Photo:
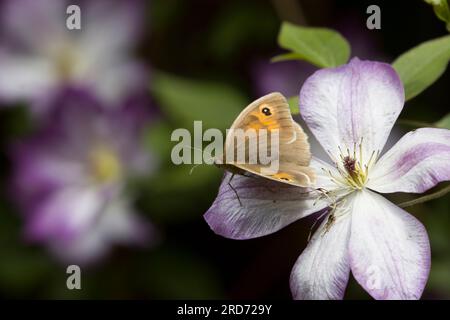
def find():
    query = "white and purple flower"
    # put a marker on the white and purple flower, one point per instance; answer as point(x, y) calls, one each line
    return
point(39, 54)
point(70, 178)
point(350, 110)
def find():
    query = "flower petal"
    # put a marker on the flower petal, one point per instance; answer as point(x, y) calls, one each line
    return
point(360, 100)
point(111, 26)
point(418, 162)
point(322, 270)
point(267, 206)
point(64, 215)
point(122, 224)
point(24, 76)
point(117, 224)
point(114, 80)
point(389, 249)
point(33, 24)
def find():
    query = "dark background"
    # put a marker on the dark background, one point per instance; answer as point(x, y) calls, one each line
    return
point(226, 43)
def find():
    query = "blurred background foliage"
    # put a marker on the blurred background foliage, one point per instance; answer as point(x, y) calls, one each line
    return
point(203, 56)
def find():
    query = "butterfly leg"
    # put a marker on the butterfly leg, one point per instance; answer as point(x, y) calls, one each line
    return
point(234, 190)
point(324, 194)
point(331, 219)
point(337, 210)
point(314, 224)
point(331, 211)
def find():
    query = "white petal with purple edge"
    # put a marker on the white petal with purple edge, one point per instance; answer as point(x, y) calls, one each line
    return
point(267, 206)
point(418, 162)
point(360, 100)
point(322, 270)
point(389, 249)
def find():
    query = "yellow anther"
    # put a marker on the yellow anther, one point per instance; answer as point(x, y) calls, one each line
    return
point(105, 164)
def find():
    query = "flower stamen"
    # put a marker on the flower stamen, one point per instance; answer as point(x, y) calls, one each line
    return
point(352, 168)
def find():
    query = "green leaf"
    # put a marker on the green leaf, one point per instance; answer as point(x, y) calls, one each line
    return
point(442, 11)
point(293, 105)
point(156, 138)
point(320, 46)
point(421, 66)
point(185, 101)
point(444, 122)
point(287, 57)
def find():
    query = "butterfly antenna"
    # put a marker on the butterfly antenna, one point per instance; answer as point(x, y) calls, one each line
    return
point(195, 166)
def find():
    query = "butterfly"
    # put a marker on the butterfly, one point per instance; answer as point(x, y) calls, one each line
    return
point(271, 113)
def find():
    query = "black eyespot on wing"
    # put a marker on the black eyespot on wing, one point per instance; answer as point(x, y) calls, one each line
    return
point(286, 179)
point(266, 111)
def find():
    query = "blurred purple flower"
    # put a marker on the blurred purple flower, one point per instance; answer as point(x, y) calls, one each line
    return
point(351, 111)
point(70, 178)
point(38, 54)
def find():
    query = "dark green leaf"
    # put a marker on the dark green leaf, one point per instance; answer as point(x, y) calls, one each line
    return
point(444, 122)
point(320, 46)
point(293, 105)
point(287, 57)
point(421, 66)
point(442, 11)
point(185, 101)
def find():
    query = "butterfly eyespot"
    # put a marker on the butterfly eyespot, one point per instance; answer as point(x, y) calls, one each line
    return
point(266, 111)
point(285, 179)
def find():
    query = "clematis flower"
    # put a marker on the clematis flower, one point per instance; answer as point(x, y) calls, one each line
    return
point(350, 110)
point(70, 178)
point(39, 54)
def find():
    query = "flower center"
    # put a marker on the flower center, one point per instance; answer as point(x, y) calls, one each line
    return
point(355, 175)
point(65, 65)
point(353, 170)
point(105, 165)
point(67, 60)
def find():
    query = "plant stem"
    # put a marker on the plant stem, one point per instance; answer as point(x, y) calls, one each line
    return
point(426, 198)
